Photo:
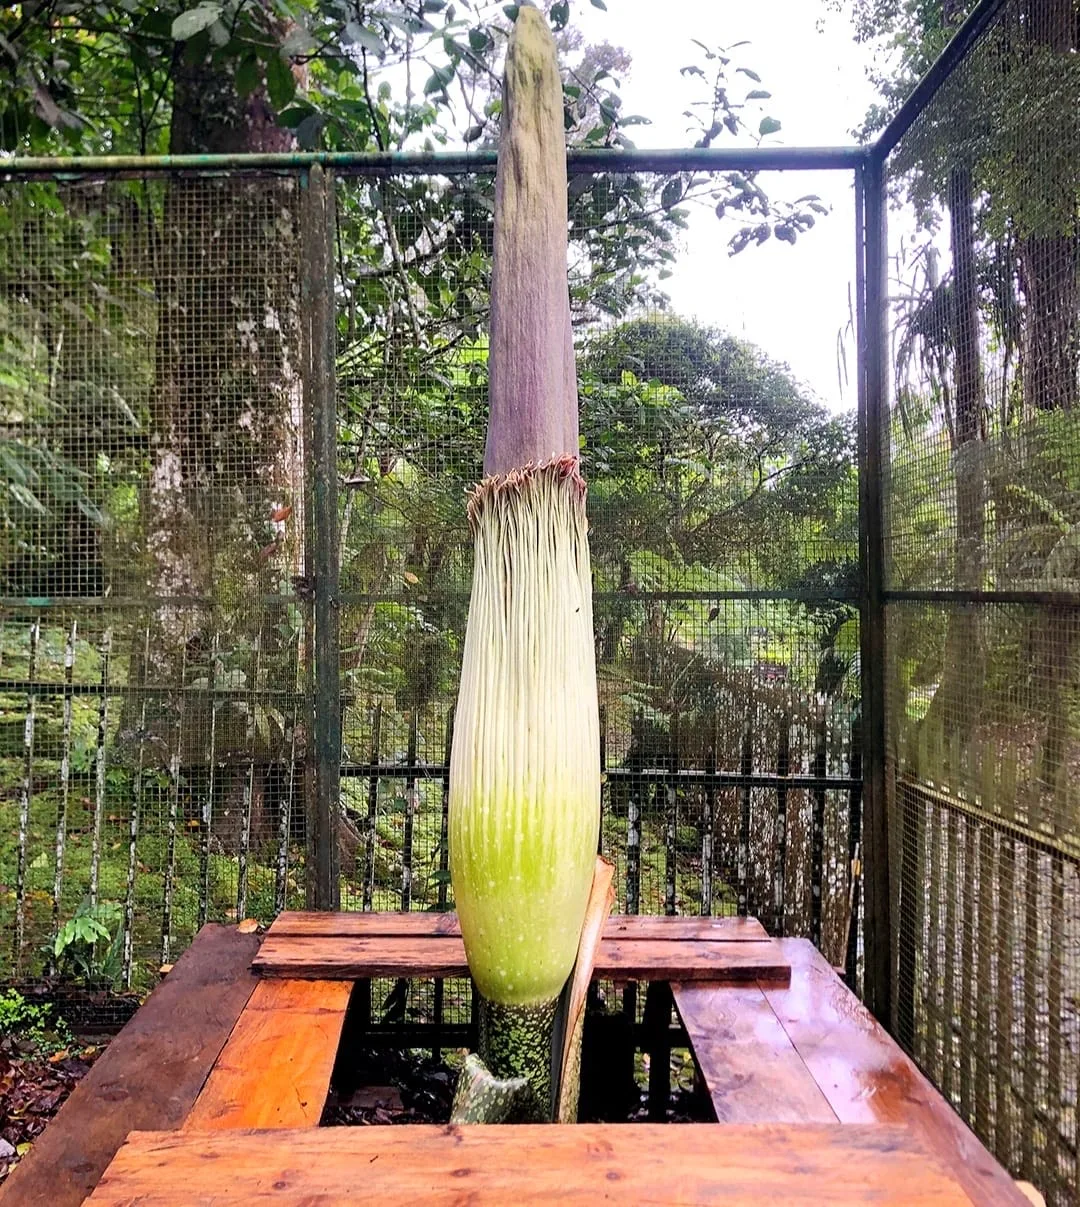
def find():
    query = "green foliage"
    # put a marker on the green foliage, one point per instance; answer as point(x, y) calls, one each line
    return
point(87, 946)
point(709, 468)
point(36, 1028)
point(700, 444)
point(911, 35)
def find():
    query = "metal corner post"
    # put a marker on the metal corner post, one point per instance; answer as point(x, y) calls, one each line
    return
point(324, 742)
point(873, 360)
point(977, 22)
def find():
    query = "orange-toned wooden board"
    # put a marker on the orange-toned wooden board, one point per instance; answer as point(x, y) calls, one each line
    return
point(275, 1069)
point(344, 958)
point(580, 1165)
point(750, 1066)
point(620, 926)
point(149, 1075)
point(867, 1078)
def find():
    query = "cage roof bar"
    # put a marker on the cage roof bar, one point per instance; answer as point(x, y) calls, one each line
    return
point(943, 66)
point(442, 163)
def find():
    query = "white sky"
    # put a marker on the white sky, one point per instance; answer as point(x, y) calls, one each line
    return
point(792, 301)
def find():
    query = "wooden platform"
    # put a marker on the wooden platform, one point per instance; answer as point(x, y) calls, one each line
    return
point(812, 1052)
point(676, 1164)
point(815, 1102)
point(275, 1070)
point(147, 1078)
point(355, 946)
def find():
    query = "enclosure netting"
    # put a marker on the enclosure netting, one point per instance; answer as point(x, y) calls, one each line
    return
point(156, 406)
point(152, 498)
point(722, 508)
point(983, 589)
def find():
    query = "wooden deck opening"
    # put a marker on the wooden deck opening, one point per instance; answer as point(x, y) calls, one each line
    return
point(814, 1101)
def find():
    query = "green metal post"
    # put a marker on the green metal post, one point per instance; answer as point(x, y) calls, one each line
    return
point(317, 233)
point(873, 406)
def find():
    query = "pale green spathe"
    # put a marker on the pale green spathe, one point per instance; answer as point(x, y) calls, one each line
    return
point(525, 765)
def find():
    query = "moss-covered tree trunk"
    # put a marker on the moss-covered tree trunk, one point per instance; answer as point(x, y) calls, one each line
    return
point(222, 508)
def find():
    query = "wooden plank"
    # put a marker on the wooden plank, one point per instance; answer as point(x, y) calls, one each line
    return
point(149, 1075)
point(692, 960)
point(340, 958)
point(275, 1069)
point(866, 1078)
point(362, 925)
point(582, 1165)
point(358, 925)
point(750, 1066)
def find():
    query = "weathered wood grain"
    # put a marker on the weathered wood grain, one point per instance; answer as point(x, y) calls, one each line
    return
point(867, 1078)
point(693, 960)
point(149, 1075)
point(345, 958)
point(750, 1066)
point(358, 925)
point(275, 1069)
point(722, 930)
point(587, 1164)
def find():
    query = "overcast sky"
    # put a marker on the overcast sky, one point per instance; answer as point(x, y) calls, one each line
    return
point(792, 301)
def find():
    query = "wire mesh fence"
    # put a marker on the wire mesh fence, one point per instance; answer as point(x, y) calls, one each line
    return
point(152, 639)
point(160, 744)
point(218, 532)
point(982, 589)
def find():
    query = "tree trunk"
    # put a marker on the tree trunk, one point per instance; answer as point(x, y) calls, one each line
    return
point(1048, 277)
point(224, 501)
point(955, 706)
point(1048, 227)
point(1049, 253)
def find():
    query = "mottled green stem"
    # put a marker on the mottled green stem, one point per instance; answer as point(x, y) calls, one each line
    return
point(516, 1041)
point(481, 1097)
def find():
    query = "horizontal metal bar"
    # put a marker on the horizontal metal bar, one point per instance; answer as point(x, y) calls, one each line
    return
point(650, 775)
point(33, 687)
point(734, 779)
point(39, 603)
point(947, 62)
point(1066, 848)
point(717, 159)
point(347, 598)
point(440, 163)
point(449, 1035)
point(417, 1035)
point(21, 603)
point(1054, 599)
